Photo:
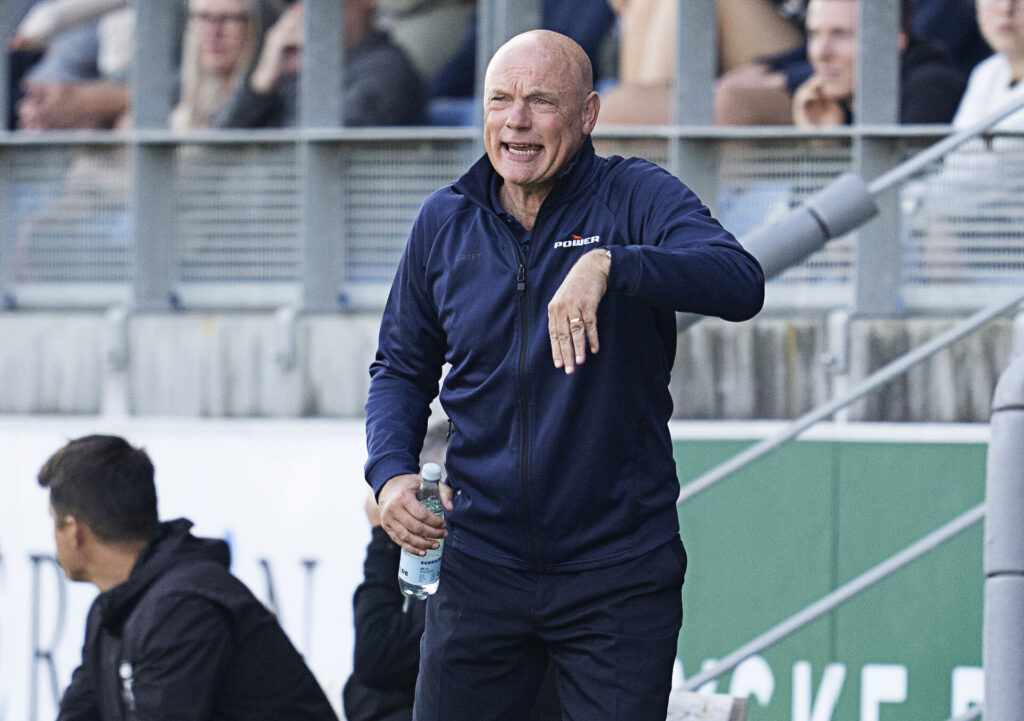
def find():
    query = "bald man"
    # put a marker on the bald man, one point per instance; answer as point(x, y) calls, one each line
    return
point(547, 277)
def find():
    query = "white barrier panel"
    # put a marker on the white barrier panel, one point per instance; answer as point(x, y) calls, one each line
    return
point(288, 495)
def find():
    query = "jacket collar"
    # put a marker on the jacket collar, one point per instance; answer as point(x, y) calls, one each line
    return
point(170, 544)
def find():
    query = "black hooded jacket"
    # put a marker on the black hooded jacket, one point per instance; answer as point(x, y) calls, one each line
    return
point(184, 639)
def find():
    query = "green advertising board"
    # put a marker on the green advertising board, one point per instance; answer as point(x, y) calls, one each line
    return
point(778, 535)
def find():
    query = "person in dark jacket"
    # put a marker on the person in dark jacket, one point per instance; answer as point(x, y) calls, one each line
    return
point(380, 85)
point(172, 634)
point(930, 82)
point(547, 277)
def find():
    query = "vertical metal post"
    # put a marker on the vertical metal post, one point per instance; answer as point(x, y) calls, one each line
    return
point(7, 26)
point(496, 22)
point(693, 160)
point(876, 102)
point(1003, 649)
point(152, 164)
point(321, 100)
point(7, 244)
point(321, 105)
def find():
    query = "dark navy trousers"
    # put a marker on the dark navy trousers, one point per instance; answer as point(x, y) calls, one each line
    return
point(611, 633)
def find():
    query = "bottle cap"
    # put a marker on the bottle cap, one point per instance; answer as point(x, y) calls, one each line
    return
point(431, 472)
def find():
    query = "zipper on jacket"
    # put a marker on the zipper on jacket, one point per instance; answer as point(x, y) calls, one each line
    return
point(524, 459)
point(127, 675)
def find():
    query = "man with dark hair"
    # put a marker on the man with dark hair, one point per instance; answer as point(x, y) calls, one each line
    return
point(172, 634)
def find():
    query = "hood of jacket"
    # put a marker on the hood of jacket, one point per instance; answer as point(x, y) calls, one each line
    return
point(171, 543)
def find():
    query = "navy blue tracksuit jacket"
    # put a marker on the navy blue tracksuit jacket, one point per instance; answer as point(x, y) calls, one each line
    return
point(551, 472)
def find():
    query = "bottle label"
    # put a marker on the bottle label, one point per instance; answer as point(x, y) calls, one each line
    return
point(421, 570)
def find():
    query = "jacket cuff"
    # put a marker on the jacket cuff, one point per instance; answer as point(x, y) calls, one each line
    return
point(624, 272)
point(387, 468)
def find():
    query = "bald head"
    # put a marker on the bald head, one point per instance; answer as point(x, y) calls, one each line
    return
point(557, 51)
point(539, 108)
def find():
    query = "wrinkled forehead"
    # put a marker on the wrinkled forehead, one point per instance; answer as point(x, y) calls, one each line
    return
point(219, 6)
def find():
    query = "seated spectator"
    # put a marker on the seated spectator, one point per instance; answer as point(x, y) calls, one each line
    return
point(747, 29)
point(388, 626)
point(930, 83)
point(220, 45)
point(996, 81)
point(380, 85)
point(48, 18)
point(760, 93)
point(82, 79)
point(957, 215)
point(172, 634)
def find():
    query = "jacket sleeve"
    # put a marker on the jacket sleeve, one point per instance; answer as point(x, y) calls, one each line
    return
point(387, 646)
point(678, 256)
point(404, 376)
point(247, 108)
point(78, 702)
point(181, 660)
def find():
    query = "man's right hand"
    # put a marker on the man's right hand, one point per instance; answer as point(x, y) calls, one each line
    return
point(408, 521)
point(814, 107)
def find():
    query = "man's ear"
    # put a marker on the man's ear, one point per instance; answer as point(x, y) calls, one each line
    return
point(901, 41)
point(591, 107)
point(76, 531)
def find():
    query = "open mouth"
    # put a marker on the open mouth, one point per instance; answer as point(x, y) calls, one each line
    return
point(522, 150)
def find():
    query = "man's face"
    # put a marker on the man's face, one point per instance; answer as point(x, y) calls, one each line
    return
point(1002, 26)
point(68, 555)
point(832, 44)
point(536, 115)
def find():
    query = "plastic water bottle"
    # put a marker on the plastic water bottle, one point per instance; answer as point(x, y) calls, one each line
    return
point(418, 575)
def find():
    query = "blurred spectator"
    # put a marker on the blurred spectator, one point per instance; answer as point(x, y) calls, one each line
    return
point(388, 625)
point(996, 82)
point(930, 83)
point(747, 29)
point(429, 31)
point(82, 79)
point(48, 18)
point(760, 93)
point(172, 634)
point(380, 85)
point(220, 45)
point(12, 12)
point(958, 215)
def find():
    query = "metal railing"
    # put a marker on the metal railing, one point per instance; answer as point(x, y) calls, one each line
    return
point(1007, 563)
point(73, 235)
point(315, 218)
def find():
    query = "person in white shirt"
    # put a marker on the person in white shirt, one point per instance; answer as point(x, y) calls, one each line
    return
point(996, 81)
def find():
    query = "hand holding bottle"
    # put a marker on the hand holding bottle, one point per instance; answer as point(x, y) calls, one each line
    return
point(404, 517)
